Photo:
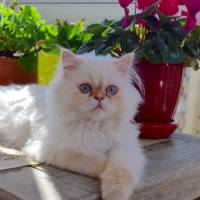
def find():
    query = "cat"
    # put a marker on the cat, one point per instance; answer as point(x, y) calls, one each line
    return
point(81, 121)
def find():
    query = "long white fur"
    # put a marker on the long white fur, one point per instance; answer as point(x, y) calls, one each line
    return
point(47, 125)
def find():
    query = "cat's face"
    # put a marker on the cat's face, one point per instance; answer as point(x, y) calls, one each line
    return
point(95, 87)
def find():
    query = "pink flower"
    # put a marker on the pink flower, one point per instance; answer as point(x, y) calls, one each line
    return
point(193, 7)
point(144, 4)
point(167, 7)
point(124, 4)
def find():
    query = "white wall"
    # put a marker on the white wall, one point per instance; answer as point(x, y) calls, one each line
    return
point(73, 10)
point(91, 10)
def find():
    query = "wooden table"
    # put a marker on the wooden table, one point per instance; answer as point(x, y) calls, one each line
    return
point(172, 173)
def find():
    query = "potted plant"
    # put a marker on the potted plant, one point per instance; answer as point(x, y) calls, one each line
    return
point(23, 33)
point(164, 43)
point(68, 35)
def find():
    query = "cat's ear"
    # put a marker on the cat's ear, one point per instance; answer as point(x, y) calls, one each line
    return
point(125, 62)
point(69, 60)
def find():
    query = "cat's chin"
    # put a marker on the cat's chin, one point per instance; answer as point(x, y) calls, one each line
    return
point(98, 113)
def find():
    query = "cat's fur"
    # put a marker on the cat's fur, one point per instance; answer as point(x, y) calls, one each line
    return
point(58, 125)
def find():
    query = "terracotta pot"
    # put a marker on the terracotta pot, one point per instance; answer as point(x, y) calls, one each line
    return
point(12, 72)
point(162, 84)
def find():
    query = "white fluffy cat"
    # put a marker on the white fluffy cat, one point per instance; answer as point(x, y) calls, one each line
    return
point(81, 122)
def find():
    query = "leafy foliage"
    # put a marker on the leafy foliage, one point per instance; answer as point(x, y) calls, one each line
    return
point(157, 38)
point(109, 37)
point(23, 33)
point(71, 36)
point(191, 48)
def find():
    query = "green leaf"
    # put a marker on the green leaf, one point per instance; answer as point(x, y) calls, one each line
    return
point(151, 35)
point(76, 29)
point(96, 29)
point(151, 52)
point(101, 48)
point(152, 23)
point(193, 49)
point(171, 52)
point(87, 47)
point(29, 63)
point(129, 41)
point(175, 29)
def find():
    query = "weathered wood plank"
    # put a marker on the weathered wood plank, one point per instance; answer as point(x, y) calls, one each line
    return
point(5, 195)
point(10, 158)
point(48, 183)
point(172, 173)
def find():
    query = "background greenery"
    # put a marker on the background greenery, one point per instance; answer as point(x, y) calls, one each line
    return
point(24, 33)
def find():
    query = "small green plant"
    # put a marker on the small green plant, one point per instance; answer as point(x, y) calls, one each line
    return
point(71, 35)
point(23, 33)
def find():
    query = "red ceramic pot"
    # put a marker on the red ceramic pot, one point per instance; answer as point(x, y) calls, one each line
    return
point(162, 84)
point(12, 72)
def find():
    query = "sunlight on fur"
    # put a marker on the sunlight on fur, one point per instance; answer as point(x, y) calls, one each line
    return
point(9, 151)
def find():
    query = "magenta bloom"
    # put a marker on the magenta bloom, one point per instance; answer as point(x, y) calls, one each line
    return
point(145, 4)
point(167, 7)
point(193, 7)
point(124, 4)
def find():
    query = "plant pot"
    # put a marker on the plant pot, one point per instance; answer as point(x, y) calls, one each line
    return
point(162, 84)
point(12, 72)
point(46, 66)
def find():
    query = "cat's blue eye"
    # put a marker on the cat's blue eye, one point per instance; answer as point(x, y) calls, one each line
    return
point(111, 90)
point(85, 88)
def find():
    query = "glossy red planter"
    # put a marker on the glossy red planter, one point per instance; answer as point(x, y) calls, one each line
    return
point(155, 130)
point(162, 84)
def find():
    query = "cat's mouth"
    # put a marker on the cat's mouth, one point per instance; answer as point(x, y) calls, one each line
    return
point(98, 107)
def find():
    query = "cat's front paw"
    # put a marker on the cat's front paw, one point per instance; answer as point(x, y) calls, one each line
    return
point(117, 184)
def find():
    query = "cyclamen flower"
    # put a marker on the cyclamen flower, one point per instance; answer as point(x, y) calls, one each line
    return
point(167, 7)
point(145, 4)
point(124, 4)
point(193, 7)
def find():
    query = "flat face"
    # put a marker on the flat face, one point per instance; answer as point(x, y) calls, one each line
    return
point(96, 87)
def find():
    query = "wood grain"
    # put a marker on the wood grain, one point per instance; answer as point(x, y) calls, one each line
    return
point(172, 173)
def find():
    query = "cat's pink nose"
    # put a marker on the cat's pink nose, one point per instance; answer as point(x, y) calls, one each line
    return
point(99, 98)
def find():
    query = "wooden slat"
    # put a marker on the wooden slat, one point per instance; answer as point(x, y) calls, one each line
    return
point(48, 183)
point(5, 195)
point(172, 173)
point(11, 159)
